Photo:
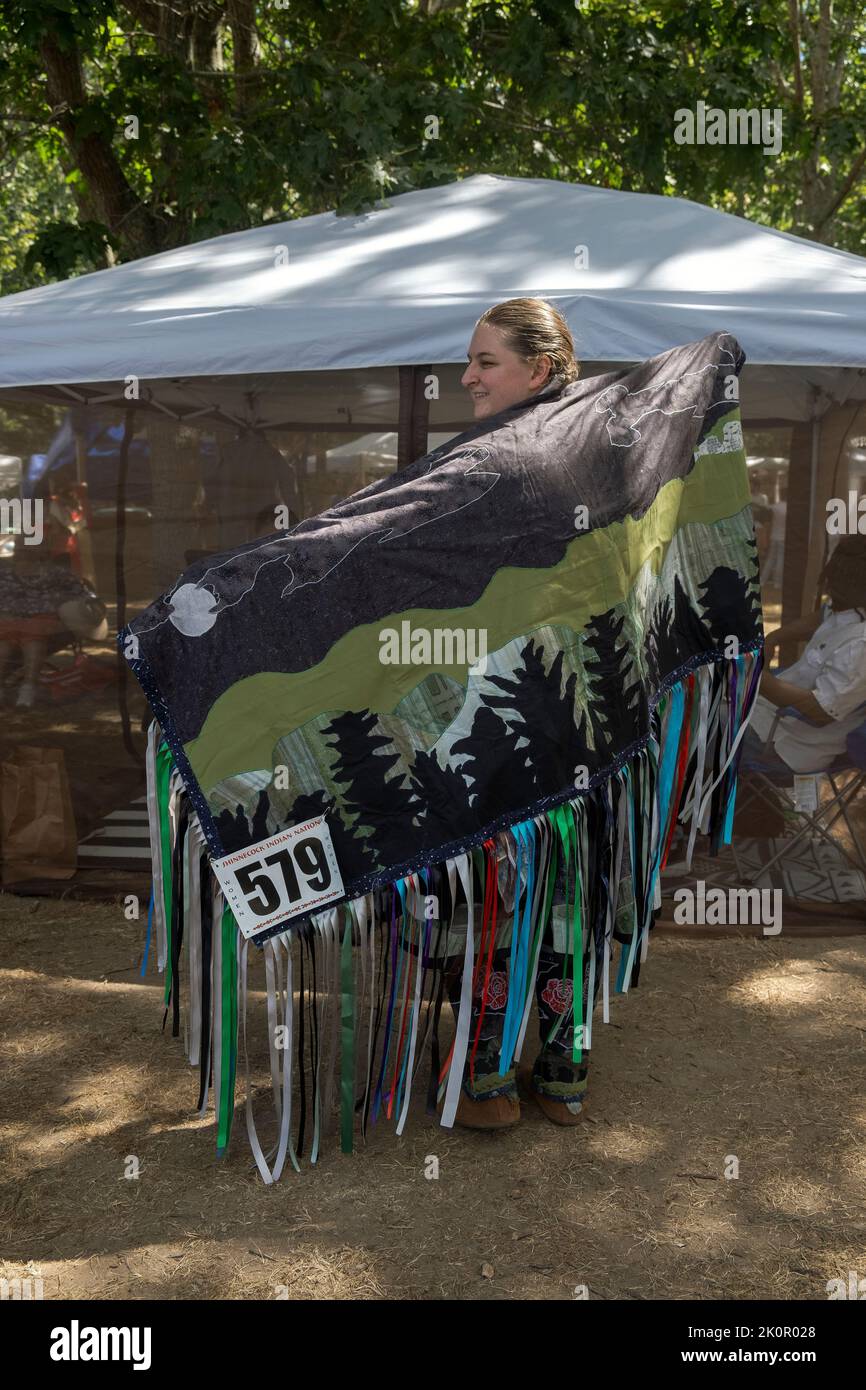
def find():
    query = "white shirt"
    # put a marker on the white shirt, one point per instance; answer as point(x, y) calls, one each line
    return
point(833, 667)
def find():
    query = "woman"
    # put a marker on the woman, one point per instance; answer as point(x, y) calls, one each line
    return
point(828, 683)
point(519, 348)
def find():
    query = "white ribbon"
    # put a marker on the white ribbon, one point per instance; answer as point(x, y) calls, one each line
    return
point(703, 676)
point(734, 746)
point(416, 1009)
point(173, 793)
point(284, 1102)
point(464, 1017)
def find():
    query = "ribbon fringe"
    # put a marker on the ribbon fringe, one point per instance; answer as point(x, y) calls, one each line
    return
point(357, 991)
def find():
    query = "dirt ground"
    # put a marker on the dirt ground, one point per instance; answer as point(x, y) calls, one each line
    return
point(747, 1048)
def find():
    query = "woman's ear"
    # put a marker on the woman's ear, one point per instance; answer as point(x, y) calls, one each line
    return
point(541, 372)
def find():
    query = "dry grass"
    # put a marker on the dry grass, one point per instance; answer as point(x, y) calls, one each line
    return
point(752, 1048)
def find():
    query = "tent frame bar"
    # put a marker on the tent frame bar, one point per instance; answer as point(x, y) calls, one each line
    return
point(220, 415)
point(412, 402)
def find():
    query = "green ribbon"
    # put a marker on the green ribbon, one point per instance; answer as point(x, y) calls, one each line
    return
point(577, 944)
point(163, 777)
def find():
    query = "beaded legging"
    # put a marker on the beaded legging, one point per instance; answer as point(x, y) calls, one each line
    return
point(554, 1071)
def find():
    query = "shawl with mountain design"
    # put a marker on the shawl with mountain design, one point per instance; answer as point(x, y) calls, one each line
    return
point(594, 547)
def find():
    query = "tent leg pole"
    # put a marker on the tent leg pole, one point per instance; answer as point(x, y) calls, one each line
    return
point(120, 580)
point(413, 417)
point(797, 528)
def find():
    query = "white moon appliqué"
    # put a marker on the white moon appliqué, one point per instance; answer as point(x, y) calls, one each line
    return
point(193, 610)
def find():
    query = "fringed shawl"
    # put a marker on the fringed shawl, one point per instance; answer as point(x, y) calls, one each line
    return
point(499, 677)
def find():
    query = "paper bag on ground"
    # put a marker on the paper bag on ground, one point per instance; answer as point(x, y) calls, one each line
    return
point(37, 824)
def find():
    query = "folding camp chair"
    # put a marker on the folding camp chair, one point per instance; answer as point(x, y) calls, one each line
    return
point(765, 779)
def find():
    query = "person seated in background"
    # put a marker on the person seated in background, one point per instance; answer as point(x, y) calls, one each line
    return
point(828, 683)
point(32, 589)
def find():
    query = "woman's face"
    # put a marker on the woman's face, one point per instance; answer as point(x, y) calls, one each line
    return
point(496, 376)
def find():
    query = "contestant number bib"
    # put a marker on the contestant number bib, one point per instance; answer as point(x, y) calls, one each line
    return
point(292, 873)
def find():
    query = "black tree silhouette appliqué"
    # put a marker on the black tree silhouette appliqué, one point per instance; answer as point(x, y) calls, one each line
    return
point(382, 804)
point(618, 711)
point(498, 771)
point(675, 633)
point(543, 714)
point(237, 830)
point(730, 606)
point(444, 796)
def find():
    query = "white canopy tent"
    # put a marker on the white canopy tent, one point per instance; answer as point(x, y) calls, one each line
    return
point(295, 324)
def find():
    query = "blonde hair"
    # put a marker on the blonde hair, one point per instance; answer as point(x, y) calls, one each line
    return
point(532, 328)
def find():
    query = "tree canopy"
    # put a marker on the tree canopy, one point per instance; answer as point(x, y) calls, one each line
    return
point(129, 128)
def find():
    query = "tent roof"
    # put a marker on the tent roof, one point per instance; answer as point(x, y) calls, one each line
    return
point(301, 324)
point(404, 284)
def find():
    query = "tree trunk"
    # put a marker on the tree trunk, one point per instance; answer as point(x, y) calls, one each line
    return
point(822, 193)
point(205, 38)
point(241, 15)
point(109, 194)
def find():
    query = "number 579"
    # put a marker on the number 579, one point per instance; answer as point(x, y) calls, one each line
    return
point(306, 857)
